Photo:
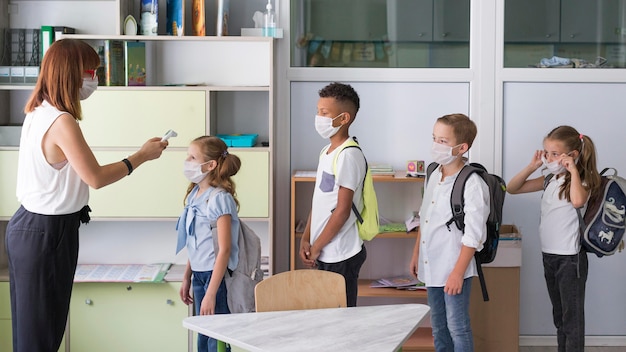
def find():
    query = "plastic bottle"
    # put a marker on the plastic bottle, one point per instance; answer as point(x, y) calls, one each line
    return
point(149, 17)
point(269, 20)
point(197, 18)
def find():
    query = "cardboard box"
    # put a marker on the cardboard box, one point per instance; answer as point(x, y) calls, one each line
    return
point(509, 231)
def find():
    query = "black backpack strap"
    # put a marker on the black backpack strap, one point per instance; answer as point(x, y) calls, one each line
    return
point(546, 180)
point(429, 170)
point(481, 277)
point(456, 198)
point(457, 204)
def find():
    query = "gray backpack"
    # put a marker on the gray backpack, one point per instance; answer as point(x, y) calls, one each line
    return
point(241, 281)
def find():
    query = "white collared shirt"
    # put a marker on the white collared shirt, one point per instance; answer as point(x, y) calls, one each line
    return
point(558, 228)
point(439, 247)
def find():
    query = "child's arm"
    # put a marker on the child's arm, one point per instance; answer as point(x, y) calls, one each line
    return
point(185, 288)
point(305, 245)
point(454, 284)
point(416, 252)
point(335, 222)
point(221, 264)
point(520, 182)
point(578, 194)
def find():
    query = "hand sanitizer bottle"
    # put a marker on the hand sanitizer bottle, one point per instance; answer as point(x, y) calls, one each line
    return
point(269, 24)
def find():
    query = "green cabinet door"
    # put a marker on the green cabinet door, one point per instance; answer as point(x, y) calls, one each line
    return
point(107, 317)
point(155, 190)
point(6, 337)
point(8, 177)
point(128, 118)
point(252, 183)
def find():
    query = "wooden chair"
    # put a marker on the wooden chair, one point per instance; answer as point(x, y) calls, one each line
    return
point(300, 289)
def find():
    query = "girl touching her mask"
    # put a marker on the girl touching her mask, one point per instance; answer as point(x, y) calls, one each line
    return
point(570, 157)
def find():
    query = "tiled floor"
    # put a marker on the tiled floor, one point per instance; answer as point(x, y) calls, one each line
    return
point(587, 349)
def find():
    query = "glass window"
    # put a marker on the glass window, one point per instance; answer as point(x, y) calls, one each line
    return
point(380, 33)
point(565, 33)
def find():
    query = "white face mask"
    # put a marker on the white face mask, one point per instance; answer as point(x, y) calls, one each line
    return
point(193, 171)
point(324, 126)
point(89, 86)
point(442, 154)
point(554, 167)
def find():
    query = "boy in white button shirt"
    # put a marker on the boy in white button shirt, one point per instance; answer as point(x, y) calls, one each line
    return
point(443, 257)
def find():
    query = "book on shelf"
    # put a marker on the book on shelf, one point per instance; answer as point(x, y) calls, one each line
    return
point(114, 63)
point(60, 30)
point(135, 63)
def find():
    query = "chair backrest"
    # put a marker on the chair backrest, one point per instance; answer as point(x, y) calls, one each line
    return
point(300, 289)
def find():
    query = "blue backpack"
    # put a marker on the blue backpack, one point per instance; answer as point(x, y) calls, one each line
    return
point(603, 223)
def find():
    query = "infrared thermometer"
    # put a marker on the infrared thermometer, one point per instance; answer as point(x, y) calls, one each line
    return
point(168, 134)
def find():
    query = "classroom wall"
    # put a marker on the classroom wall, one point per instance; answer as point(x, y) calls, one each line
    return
point(393, 125)
point(530, 111)
point(388, 133)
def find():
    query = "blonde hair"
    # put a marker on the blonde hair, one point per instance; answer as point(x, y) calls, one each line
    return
point(61, 76)
point(586, 164)
point(214, 148)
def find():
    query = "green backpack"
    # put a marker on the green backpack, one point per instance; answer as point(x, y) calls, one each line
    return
point(367, 220)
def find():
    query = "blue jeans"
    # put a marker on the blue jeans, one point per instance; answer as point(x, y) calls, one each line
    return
point(200, 284)
point(450, 319)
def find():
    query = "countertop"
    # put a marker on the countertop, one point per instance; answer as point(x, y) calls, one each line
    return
point(174, 274)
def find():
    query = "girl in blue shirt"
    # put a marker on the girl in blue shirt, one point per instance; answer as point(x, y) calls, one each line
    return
point(210, 210)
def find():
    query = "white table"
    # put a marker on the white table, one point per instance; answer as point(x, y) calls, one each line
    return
point(368, 328)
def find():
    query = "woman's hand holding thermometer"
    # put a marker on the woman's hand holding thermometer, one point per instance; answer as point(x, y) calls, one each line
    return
point(168, 134)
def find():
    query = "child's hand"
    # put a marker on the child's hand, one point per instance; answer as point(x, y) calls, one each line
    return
point(208, 305)
point(305, 254)
point(568, 162)
point(536, 162)
point(454, 284)
point(185, 293)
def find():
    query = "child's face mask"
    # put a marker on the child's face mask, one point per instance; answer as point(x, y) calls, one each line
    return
point(553, 167)
point(193, 171)
point(324, 126)
point(442, 154)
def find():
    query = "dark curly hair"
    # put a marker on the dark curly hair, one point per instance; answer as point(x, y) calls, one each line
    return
point(343, 93)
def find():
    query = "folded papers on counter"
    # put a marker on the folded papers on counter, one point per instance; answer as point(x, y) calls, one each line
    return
point(399, 282)
point(121, 272)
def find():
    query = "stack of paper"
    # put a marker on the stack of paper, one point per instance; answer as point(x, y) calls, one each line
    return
point(381, 170)
point(400, 282)
point(121, 272)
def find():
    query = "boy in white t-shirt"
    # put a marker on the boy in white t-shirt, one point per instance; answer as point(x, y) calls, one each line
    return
point(443, 257)
point(331, 240)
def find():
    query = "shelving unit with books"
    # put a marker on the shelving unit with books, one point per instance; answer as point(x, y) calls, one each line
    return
point(194, 85)
point(388, 254)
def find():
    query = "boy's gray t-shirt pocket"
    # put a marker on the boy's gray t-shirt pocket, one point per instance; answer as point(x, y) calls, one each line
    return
point(328, 182)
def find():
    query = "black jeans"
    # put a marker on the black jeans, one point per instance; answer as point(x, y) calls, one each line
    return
point(349, 268)
point(566, 277)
